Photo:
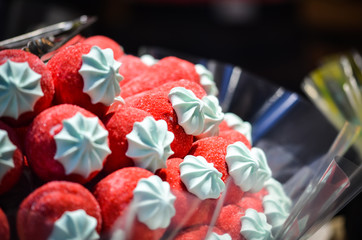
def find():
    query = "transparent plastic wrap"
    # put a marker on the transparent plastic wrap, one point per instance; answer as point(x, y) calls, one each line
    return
point(322, 188)
point(304, 150)
point(318, 191)
point(335, 88)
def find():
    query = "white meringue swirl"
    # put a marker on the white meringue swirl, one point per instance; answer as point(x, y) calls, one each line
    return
point(149, 144)
point(248, 168)
point(196, 116)
point(81, 145)
point(207, 80)
point(101, 76)
point(213, 116)
point(154, 202)
point(20, 89)
point(254, 226)
point(236, 123)
point(201, 177)
point(75, 225)
point(148, 59)
point(276, 205)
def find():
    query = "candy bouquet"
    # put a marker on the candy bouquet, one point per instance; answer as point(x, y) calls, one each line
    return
point(304, 150)
point(101, 144)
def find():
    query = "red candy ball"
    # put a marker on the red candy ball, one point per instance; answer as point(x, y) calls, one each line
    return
point(119, 124)
point(39, 211)
point(41, 146)
point(232, 136)
point(166, 70)
point(68, 82)
point(197, 232)
point(190, 210)
point(114, 194)
point(229, 221)
point(131, 67)
point(158, 105)
point(105, 42)
point(46, 84)
point(213, 149)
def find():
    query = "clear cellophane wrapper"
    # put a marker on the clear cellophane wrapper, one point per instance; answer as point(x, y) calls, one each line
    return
point(305, 152)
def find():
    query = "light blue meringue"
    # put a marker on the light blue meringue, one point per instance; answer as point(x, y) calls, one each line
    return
point(154, 202)
point(81, 145)
point(254, 226)
point(149, 144)
point(75, 225)
point(201, 177)
point(207, 80)
point(248, 168)
point(236, 123)
point(20, 89)
point(7, 149)
point(101, 76)
point(198, 117)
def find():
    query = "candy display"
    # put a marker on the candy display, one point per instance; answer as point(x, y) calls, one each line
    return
point(116, 146)
point(129, 146)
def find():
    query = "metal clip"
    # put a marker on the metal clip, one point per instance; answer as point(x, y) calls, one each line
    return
point(48, 39)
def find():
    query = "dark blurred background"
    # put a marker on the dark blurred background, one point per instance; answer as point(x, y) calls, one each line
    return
point(278, 40)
